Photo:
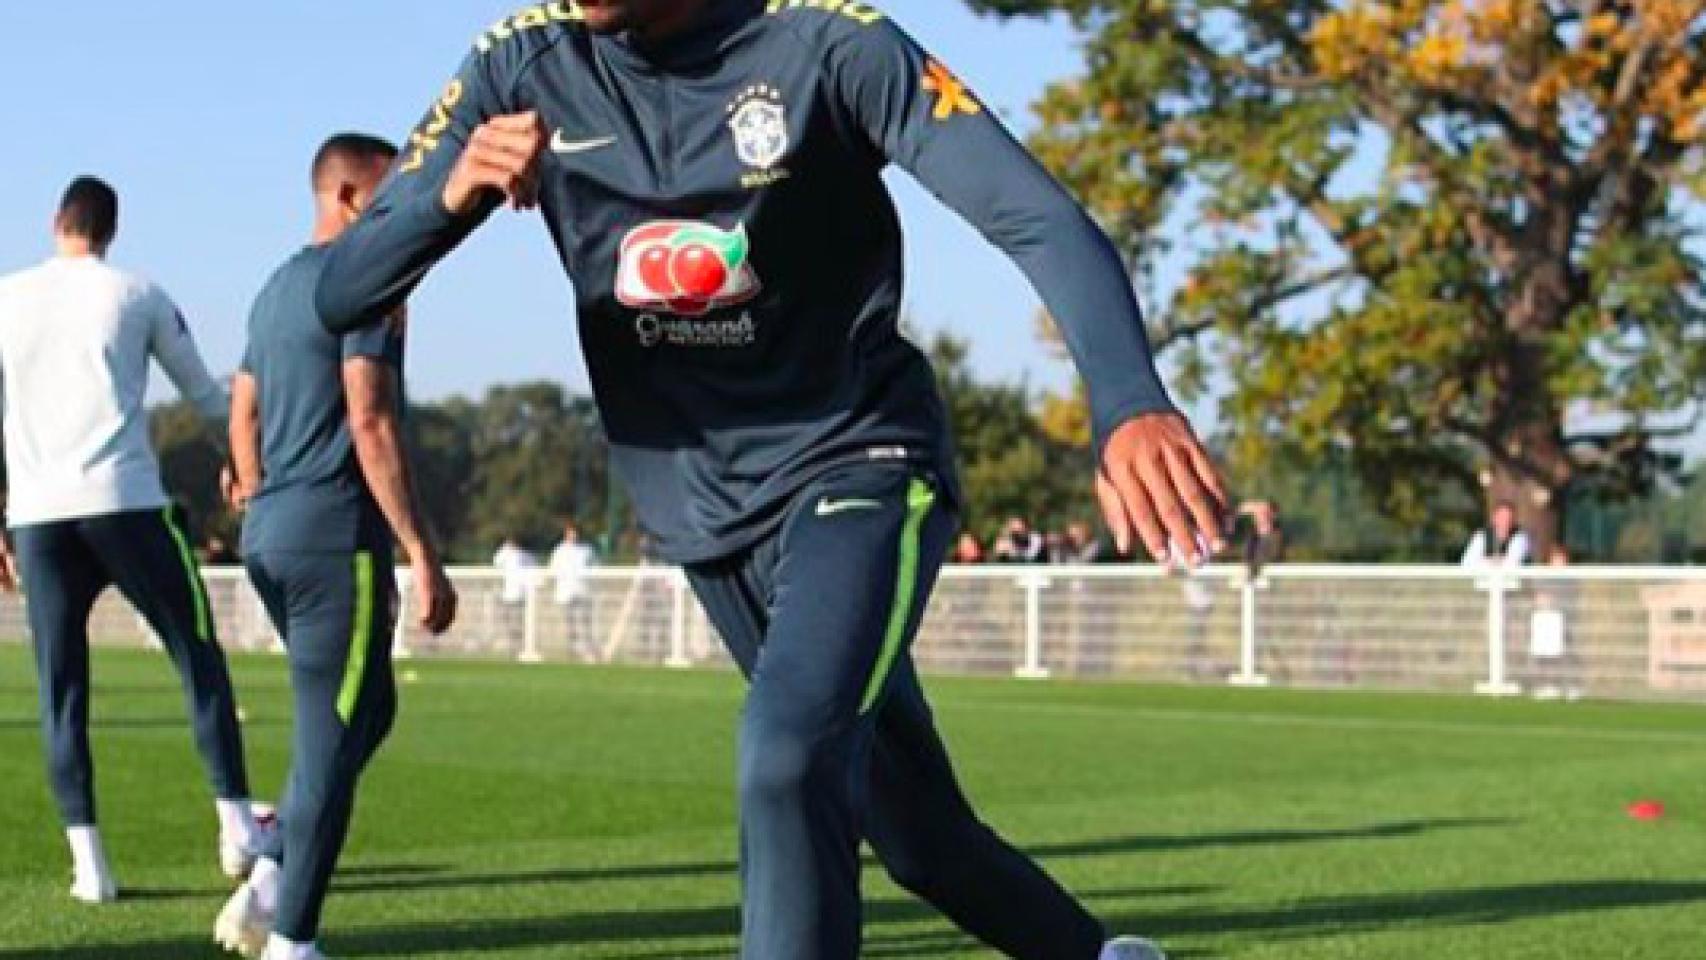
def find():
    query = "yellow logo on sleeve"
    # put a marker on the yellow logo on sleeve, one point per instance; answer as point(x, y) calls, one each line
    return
point(423, 142)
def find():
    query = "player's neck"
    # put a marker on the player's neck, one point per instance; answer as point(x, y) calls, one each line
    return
point(77, 248)
point(672, 25)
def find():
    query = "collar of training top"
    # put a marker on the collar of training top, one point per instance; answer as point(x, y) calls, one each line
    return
point(718, 22)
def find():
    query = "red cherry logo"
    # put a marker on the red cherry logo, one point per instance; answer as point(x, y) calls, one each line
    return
point(698, 271)
point(654, 270)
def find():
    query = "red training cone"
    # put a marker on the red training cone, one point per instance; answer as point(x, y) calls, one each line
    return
point(1647, 810)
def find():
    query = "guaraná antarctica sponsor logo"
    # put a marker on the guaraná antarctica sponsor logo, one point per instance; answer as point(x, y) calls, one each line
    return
point(678, 271)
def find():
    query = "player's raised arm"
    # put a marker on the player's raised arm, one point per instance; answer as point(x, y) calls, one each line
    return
point(471, 153)
point(1156, 481)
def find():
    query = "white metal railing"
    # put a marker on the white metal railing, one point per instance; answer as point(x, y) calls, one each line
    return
point(1628, 632)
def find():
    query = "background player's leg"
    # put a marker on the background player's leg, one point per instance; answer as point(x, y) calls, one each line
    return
point(150, 560)
point(340, 617)
point(245, 923)
point(62, 579)
point(849, 568)
point(927, 837)
point(272, 597)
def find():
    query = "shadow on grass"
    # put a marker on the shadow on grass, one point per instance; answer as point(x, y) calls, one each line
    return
point(1258, 838)
point(135, 723)
point(601, 928)
point(1477, 906)
point(214, 895)
point(1329, 917)
point(353, 881)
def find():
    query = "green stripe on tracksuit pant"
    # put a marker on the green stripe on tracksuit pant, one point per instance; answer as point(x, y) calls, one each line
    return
point(837, 743)
point(66, 566)
point(335, 612)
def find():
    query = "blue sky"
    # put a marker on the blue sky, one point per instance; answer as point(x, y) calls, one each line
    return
point(204, 116)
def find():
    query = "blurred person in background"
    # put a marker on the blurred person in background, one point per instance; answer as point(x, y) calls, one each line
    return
point(1018, 543)
point(968, 550)
point(1054, 547)
point(517, 565)
point(1264, 539)
point(216, 552)
point(1080, 545)
point(1503, 543)
point(1555, 663)
point(569, 563)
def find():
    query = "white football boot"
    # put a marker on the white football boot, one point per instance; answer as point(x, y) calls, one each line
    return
point(245, 829)
point(91, 878)
point(1132, 948)
point(243, 925)
point(237, 856)
point(94, 886)
point(281, 949)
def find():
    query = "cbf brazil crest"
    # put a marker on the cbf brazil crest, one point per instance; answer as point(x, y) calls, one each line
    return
point(759, 121)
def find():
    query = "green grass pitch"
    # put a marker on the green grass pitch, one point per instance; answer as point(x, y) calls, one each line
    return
point(577, 813)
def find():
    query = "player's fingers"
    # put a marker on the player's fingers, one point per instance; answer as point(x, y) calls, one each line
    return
point(1200, 503)
point(527, 144)
point(1142, 512)
point(1170, 511)
point(503, 175)
point(489, 160)
point(513, 173)
point(1113, 513)
point(525, 122)
point(1209, 475)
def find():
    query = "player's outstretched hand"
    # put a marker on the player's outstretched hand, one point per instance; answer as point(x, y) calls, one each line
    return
point(502, 155)
point(435, 597)
point(1157, 484)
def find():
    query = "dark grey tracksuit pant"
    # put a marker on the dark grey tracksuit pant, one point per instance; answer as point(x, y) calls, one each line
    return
point(66, 565)
point(837, 742)
point(335, 612)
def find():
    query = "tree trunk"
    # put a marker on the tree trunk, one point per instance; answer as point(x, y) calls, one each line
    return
point(1532, 476)
point(1530, 468)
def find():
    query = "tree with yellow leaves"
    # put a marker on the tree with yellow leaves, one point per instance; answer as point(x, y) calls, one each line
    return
point(1451, 239)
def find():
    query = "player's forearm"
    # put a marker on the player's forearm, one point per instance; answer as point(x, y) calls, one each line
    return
point(371, 270)
point(385, 467)
point(244, 434)
point(1082, 280)
point(184, 367)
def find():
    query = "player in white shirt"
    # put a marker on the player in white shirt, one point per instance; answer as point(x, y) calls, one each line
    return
point(569, 563)
point(516, 564)
point(87, 511)
point(1504, 544)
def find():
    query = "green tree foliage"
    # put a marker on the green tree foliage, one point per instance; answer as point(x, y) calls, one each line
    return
point(1417, 233)
point(1009, 464)
point(539, 458)
point(515, 464)
point(191, 455)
